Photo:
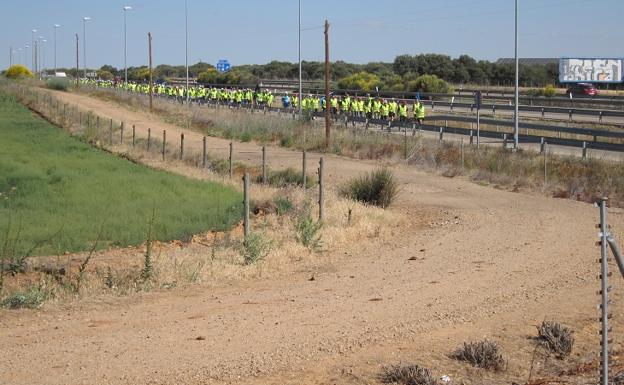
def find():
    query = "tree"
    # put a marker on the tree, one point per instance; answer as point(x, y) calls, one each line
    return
point(430, 84)
point(208, 77)
point(18, 71)
point(109, 68)
point(105, 75)
point(362, 81)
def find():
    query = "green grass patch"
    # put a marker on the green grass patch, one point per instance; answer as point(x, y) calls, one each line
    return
point(56, 192)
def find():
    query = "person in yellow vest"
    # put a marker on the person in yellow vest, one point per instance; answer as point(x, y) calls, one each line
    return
point(419, 111)
point(402, 112)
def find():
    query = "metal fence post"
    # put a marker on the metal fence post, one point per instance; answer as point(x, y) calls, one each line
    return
point(121, 134)
point(545, 164)
point(231, 159)
point(604, 294)
point(504, 141)
point(246, 205)
point(133, 135)
point(584, 150)
point(471, 137)
point(149, 138)
point(542, 144)
point(320, 201)
point(441, 136)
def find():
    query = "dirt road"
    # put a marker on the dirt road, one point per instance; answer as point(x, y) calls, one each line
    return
point(484, 262)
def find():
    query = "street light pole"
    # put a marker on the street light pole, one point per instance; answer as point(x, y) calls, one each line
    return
point(186, 51)
point(40, 63)
point(126, 9)
point(516, 117)
point(33, 66)
point(84, 44)
point(55, 66)
point(43, 62)
point(300, 87)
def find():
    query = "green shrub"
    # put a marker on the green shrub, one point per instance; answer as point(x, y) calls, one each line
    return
point(283, 205)
point(308, 230)
point(377, 188)
point(18, 71)
point(550, 91)
point(363, 81)
point(429, 84)
point(287, 177)
point(32, 298)
point(59, 84)
point(287, 141)
point(255, 247)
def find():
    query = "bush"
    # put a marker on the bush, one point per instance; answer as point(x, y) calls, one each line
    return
point(550, 91)
point(283, 205)
point(407, 375)
point(285, 178)
point(18, 71)
point(556, 338)
point(59, 84)
point(31, 299)
point(429, 84)
point(307, 230)
point(482, 354)
point(363, 81)
point(255, 247)
point(377, 188)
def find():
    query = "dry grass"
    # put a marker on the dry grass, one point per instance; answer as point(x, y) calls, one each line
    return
point(567, 176)
point(555, 337)
point(482, 354)
point(407, 375)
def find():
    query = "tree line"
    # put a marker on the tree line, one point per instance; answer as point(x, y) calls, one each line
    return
point(405, 73)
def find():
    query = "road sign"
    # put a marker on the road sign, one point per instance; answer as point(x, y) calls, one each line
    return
point(478, 99)
point(223, 66)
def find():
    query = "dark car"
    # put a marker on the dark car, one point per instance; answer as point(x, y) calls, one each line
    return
point(582, 89)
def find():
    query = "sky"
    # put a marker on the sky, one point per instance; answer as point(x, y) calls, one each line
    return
point(361, 31)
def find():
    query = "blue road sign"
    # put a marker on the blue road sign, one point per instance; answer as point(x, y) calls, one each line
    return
point(223, 66)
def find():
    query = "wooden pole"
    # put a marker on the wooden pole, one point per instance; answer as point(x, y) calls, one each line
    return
point(151, 75)
point(204, 152)
point(231, 159)
point(321, 195)
point(304, 176)
point(164, 144)
point(246, 205)
point(264, 168)
point(327, 100)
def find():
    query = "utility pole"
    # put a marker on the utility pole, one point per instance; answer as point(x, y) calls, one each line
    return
point(327, 103)
point(77, 62)
point(516, 117)
point(300, 96)
point(36, 57)
point(151, 77)
point(56, 26)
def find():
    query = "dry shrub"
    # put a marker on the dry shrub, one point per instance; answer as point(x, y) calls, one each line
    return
point(378, 188)
point(557, 338)
point(407, 374)
point(482, 354)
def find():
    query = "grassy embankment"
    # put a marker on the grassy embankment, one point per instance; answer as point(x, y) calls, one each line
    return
point(58, 194)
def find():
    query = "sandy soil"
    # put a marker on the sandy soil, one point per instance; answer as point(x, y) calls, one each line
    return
point(482, 263)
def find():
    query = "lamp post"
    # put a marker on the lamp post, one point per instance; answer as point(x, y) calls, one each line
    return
point(125, 12)
point(55, 28)
point(33, 65)
point(84, 43)
point(40, 63)
point(516, 96)
point(42, 52)
point(186, 50)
